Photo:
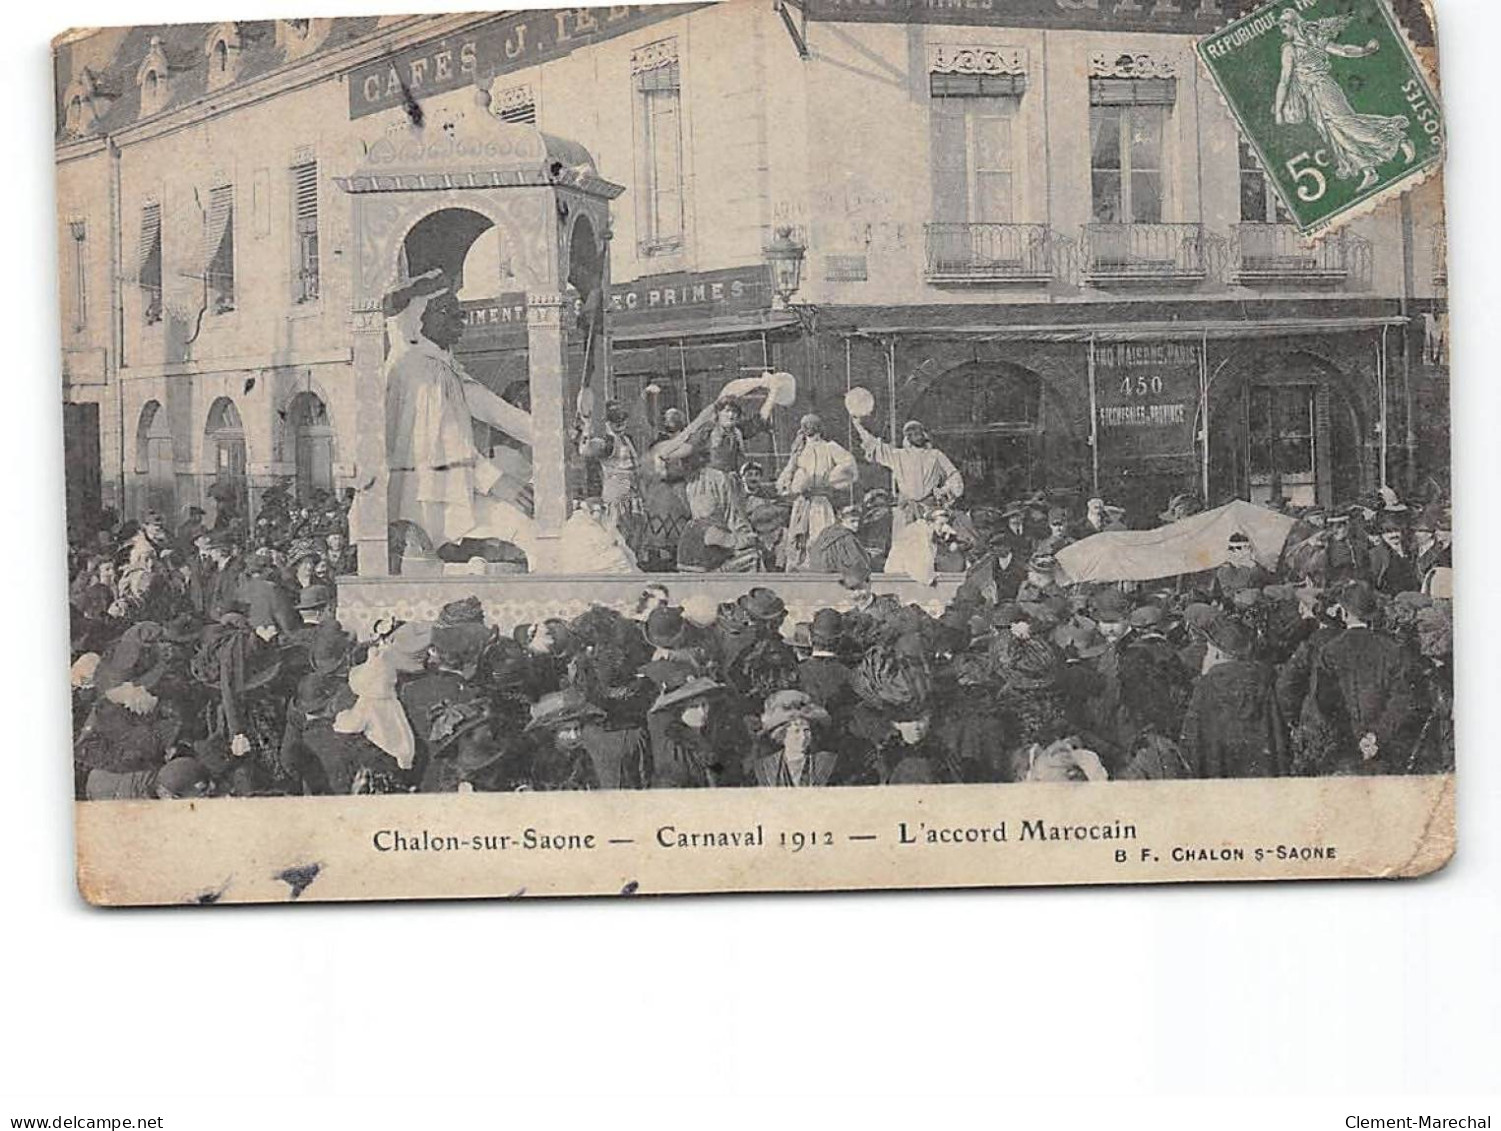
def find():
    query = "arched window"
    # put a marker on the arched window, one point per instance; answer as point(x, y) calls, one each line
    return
point(224, 453)
point(312, 443)
point(156, 460)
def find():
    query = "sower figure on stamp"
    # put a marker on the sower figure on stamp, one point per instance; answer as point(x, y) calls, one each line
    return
point(1308, 92)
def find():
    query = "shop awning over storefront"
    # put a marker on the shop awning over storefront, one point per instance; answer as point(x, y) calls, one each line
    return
point(1211, 329)
point(722, 326)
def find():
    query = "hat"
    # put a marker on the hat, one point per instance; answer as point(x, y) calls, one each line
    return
point(1231, 637)
point(1358, 599)
point(1033, 665)
point(827, 627)
point(330, 647)
point(408, 645)
point(459, 645)
point(1147, 616)
point(133, 659)
point(1199, 615)
point(1110, 606)
point(448, 721)
point(764, 605)
point(1180, 507)
point(465, 611)
point(691, 687)
point(315, 597)
point(1238, 538)
point(891, 684)
point(665, 627)
point(1042, 562)
point(181, 776)
point(559, 708)
point(782, 707)
point(1081, 637)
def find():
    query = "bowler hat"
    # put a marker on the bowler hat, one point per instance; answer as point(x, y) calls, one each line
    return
point(764, 605)
point(827, 627)
point(665, 627)
point(782, 707)
point(315, 597)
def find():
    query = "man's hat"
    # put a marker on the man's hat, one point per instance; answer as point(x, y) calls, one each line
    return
point(1147, 616)
point(690, 687)
point(1111, 606)
point(1042, 562)
point(315, 597)
point(665, 627)
point(559, 708)
point(764, 605)
point(330, 647)
point(1238, 538)
point(827, 627)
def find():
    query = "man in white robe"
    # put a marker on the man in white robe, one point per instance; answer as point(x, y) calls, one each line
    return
point(816, 469)
point(923, 476)
point(439, 480)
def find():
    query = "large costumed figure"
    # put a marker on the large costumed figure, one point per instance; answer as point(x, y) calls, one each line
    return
point(439, 479)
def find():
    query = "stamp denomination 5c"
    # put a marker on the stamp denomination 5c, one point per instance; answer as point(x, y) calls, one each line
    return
point(1332, 99)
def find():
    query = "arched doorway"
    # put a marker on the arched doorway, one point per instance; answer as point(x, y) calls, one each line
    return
point(156, 461)
point(1288, 431)
point(1003, 430)
point(312, 444)
point(224, 452)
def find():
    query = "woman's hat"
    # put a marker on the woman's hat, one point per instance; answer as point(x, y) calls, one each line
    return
point(559, 708)
point(459, 645)
point(1033, 665)
point(1231, 637)
point(330, 647)
point(693, 687)
point(665, 627)
point(449, 721)
point(465, 611)
point(895, 686)
point(782, 707)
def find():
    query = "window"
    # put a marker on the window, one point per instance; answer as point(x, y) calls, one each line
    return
point(659, 147)
point(1258, 201)
point(971, 152)
point(149, 255)
point(1126, 162)
point(305, 230)
point(219, 249)
point(79, 231)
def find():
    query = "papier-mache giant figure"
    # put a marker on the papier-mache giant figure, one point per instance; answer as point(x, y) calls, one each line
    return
point(439, 479)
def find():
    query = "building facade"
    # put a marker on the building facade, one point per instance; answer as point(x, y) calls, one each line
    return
point(1030, 225)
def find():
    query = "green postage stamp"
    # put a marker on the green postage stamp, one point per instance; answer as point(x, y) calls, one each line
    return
point(1331, 97)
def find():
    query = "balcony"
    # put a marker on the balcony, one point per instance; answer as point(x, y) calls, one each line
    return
point(1269, 255)
point(1116, 254)
point(971, 254)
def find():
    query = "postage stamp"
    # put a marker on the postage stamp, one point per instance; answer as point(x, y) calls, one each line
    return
point(1332, 99)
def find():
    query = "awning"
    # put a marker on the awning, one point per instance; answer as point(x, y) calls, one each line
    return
point(723, 326)
point(1194, 330)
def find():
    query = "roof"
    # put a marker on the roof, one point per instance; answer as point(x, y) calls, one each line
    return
point(186, 49)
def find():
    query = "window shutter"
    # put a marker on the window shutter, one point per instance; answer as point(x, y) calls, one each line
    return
point(221, 205)
point(976, 86)
point(305, 197)
point(1133, 92)
point(151, 236)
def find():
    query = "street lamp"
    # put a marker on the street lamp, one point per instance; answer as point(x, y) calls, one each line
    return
point(785, 257)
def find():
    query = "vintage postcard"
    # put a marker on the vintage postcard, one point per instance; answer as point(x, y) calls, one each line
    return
point(758, 445)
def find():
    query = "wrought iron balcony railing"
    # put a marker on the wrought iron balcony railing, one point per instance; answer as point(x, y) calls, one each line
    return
point(1125, 253)
point(1273, 254)
point(991, 253)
